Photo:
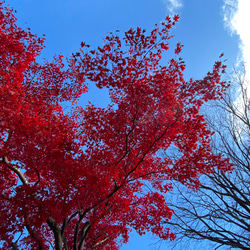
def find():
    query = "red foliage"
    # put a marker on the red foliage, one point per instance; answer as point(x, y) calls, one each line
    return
point(81, 175)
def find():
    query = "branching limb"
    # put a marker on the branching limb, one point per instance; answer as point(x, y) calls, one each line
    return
point(16, 170)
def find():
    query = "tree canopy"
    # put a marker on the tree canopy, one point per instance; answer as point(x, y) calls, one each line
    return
point(219, 211)
point(77, 180)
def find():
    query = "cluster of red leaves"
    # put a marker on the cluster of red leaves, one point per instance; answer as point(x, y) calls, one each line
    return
point(82, 175)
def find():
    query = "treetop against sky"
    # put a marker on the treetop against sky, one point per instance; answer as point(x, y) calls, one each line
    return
point(140, 115)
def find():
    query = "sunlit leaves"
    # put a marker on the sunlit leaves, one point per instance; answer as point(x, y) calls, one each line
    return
point(85, 171)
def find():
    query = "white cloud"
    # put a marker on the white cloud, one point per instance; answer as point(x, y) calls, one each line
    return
point(173, 6)
point(237, 21)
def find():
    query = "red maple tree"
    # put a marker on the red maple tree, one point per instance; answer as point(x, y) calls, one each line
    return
point(77, 180)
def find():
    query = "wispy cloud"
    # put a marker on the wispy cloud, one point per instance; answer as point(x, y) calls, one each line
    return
point(237, 19)
point(173, 6)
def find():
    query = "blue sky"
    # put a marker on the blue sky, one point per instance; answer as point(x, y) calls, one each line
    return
point(206, 28)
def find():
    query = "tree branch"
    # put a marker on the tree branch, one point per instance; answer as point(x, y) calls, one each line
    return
point(16, 170)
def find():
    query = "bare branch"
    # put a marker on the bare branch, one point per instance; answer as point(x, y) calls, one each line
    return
point(220, 211)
